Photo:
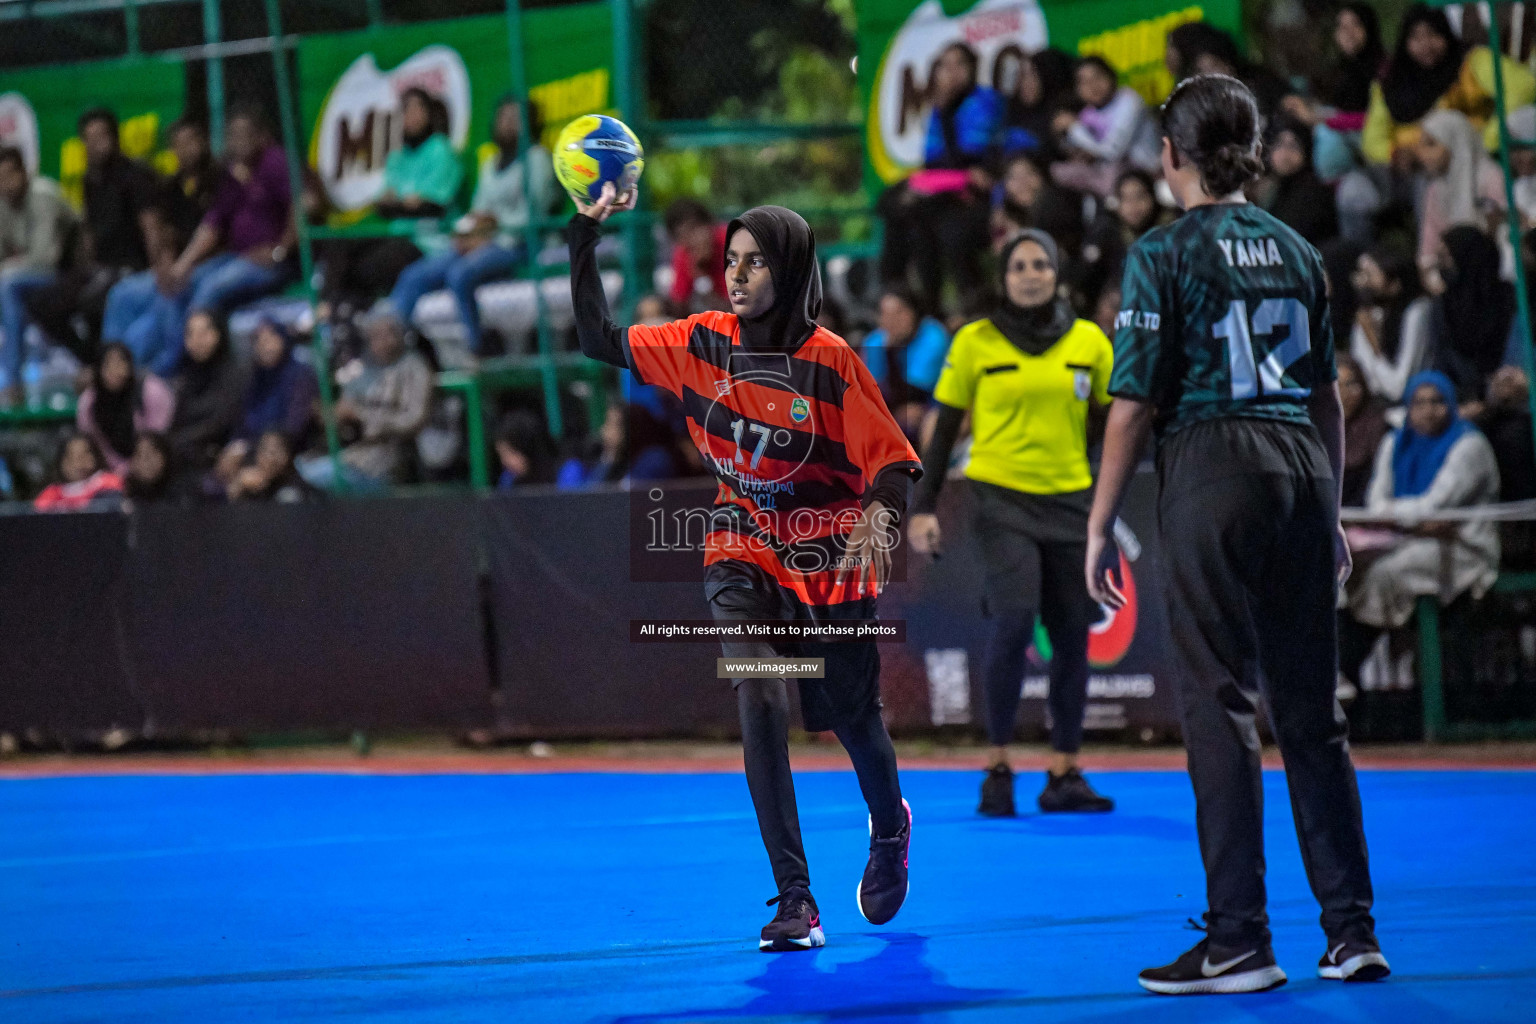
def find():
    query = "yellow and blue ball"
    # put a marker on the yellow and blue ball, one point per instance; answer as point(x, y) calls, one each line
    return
point(594, 150)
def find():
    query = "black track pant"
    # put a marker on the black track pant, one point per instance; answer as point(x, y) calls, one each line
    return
point(1247, 531)
point(847, 701)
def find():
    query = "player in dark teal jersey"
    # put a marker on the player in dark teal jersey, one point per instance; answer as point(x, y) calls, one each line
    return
point(1224, 350)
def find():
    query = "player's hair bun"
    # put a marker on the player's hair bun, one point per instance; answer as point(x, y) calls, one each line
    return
point(1213, 121)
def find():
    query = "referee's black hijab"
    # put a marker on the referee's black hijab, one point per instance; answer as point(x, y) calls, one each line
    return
point(789, 246)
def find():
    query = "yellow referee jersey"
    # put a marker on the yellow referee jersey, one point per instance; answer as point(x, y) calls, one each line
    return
point(1029, 414)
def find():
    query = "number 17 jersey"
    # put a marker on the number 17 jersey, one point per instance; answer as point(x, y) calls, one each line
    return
point(1223, 313)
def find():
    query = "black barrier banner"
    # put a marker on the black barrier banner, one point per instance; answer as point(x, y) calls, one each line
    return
point(708, 631)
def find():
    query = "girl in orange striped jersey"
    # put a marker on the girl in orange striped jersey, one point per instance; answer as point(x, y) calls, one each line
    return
point(814, 477)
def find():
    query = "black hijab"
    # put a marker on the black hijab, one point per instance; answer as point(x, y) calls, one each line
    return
point(1054, 68)
point(1347, 84)
point(1397, 263)
point(789, 246)
point(1032, 329)
point(1410, 89)
point(113, 411)
point(1477, 305)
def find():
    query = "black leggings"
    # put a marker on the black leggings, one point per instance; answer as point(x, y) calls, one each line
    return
point(1068, 613)
point(764, 708)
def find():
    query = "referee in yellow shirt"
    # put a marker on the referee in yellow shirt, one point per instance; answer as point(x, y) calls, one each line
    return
point(1029, 376)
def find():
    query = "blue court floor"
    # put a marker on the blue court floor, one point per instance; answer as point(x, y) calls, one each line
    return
point(637, 898)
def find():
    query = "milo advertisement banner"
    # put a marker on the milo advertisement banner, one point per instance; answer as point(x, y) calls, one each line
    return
point(351, 84)
point(899, 40)
point(39, 110)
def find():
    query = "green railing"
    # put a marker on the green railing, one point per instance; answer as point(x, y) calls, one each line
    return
point(1437, 728)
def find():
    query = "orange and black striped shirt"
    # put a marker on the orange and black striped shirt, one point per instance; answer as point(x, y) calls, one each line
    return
point(795, 439)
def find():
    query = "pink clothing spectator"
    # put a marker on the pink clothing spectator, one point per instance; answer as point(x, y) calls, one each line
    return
point(152, 413)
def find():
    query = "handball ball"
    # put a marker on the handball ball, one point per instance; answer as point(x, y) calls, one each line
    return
point(594, 150)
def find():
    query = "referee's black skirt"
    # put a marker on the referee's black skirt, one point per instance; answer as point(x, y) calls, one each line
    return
point(1012, 527)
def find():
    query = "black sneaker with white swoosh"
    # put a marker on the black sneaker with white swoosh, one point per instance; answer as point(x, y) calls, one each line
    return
point(1353, 958)
point(1208, 969)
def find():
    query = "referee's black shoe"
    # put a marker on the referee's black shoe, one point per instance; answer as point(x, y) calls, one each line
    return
point(796, 926)
point(1071, 792)
point(883, 889)
point(997, 792)
point(1353, 955)
point(1209, 969)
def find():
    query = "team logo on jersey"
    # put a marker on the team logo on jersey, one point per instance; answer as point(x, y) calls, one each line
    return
point(799, 409)
point(1082, 384)
point(722, 385)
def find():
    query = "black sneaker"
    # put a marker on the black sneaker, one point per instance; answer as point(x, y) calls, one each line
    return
point(997, 792)
point(1211, 970)
point(1353, 957)
point(1071, 792)
point(796, 926)
point(883, 889)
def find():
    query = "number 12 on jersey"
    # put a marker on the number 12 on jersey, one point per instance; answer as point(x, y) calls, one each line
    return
point(1250, 378)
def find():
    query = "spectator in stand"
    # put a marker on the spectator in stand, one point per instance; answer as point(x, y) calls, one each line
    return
point(282, 396)
point(1522, 162)
point(150, 477)
point(1292, 191)
point(1433, 70)
point(1045, 89)
point(385, 398)
point(122, 228)
point(1336, 111)
point(209, 387)
point(120, 405)
point(524, 450)
point(1112, 133)
point(181, 203)
point(1472, 317)
point(421, 181)
point(241, 251)
point(905, 354)
point(1365, 424)
point(1136, 211)
point(1027, 198)
point(698, 257)
point(1436, 461)
point(488, 242)
point(936, 220)
point(1465, 187)
point(269, 474)
point(1198, 48)
point(1506, 422)
point(37, 225)
point(81, 482)
point(1393, 336)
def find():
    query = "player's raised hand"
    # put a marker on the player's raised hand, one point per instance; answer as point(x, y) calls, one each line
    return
point(1103, 571)
point(610, 203)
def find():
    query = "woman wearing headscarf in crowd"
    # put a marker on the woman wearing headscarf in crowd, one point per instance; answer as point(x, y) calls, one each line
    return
point(151, 475)
point(210, 387)
point(1030, 376)
point(1431, 69)
point(1436, 461)
point(936, 220)
point(1113, 232)
point(269, 474)
point(1292, 191)
point(1465, 186)
point(905, 353)
point(120, 404)
point(1025, 197)
point(1471, 318)
point(1336, 112)
point(1045, 89)
point(1114, 131)
point(1505, 421)
point(1365, 424)
point(81, 483)
point(814, 474)
point(1197, 47)
point(282, 392)
point(1393, 336)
